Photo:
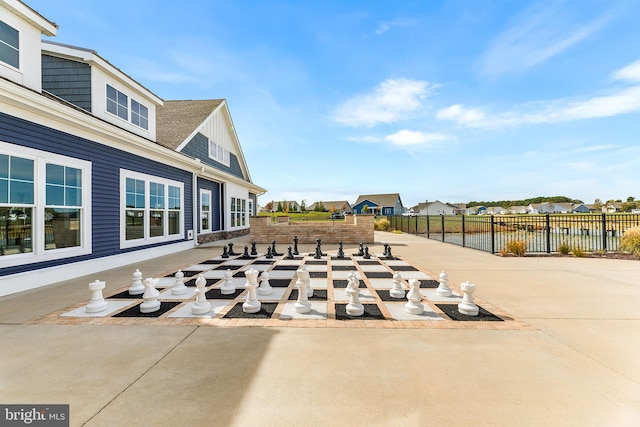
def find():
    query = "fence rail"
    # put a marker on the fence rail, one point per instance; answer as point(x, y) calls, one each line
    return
point(542, 233)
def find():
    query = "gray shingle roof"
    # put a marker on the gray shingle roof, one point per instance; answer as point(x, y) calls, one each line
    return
point(176, 120)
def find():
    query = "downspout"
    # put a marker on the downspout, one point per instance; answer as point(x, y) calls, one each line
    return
point(194, 201)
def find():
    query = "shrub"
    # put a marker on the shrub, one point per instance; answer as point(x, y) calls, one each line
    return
point(564, 248)
point(578, 252)
point(631, 241)
point(382, 224)
point(517, 247)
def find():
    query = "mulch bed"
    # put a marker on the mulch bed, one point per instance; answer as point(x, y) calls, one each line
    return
point(318, 295)
point(385, 296)
point(217, 294)
point(266, 311)
point(344, 283)
point(135, 310)
point(371, 312)
point(451, 310)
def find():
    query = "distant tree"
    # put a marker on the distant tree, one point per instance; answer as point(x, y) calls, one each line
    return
point(268, 206)
point(303, 206)
point(286, 207)
point(597, 204)
point(279, 207)
point(365, 209)
point(319, 207)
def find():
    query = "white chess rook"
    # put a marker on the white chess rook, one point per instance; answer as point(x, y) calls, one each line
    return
point(251, 305)
point(414, 306)
point(227, 287)
point(97, 303)
point(179, 287)
point(150, 297)
point(443, 288)
point(265, 287)
point(397, 291)
point(201, 305)
point(137, 287)
point(302, 305)
point(467, 306)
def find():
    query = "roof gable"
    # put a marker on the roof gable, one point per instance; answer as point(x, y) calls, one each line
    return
point(380, 199)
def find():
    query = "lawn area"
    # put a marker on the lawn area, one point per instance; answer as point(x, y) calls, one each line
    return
point(300, 216)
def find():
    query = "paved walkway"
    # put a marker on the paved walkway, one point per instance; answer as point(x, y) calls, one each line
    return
point(575, 364)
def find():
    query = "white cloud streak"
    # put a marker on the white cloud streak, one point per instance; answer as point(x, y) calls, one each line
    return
point(389, 102)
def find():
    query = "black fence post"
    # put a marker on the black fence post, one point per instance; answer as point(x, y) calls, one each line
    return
point(416, 225)
point(548, 227)
point(463, 234)
point(493, 236)
point(604, 231)
point(428, 234)
point(442, 217)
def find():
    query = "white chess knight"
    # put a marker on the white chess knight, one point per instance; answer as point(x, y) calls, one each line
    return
point(137, 287)
point(304, 276)
point(251, 305)
point(179, 287)
point(201, 305)
point(97, 303)
point(302, 304)
point(467, 306)
point(353, 283)
point(265, 287)
point(227, 287)
point(150, 297)
point(397, 291)
point(414, 306)
point(355, 307)
point(443, 288)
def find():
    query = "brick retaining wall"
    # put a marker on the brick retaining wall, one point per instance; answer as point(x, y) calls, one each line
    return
point(352, 230)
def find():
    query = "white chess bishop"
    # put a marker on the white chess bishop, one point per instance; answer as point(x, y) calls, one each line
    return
point(227, 287)
point(179, 287)
point(265, 287)
point(201, 305)
point(397, 291)
point(414, 306)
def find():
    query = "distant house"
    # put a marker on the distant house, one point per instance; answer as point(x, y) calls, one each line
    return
point(518, 210)
point(580, 208)
point(286, 205)
point(549, 207)
point(378, 204)
point(341, 206)
point(436, 208)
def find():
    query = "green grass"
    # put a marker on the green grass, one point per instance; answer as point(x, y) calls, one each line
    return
point(300, 217)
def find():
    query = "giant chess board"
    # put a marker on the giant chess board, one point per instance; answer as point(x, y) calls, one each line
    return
point(329, 277)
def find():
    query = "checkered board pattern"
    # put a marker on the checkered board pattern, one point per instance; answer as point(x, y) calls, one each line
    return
point(328, 274)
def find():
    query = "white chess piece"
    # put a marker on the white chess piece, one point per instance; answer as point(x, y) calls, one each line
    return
point(353, 283)
point(227, 287)
point(467, 306)
point(201, 305)
point(354, 308)
point(414, 306)
point(265, 288)
point(97, 303)
point(251, 305)
point(443, 288)
point(137, 287)
point(397, 291)
point(150, 297)
point(304, 276)
point(179, 287)
point(302, 305)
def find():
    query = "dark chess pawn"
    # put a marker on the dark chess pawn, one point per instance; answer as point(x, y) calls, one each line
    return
point(274, 252)
point(254, 251)
point(289, 253)
point(360, 249)
point(225, 252)
point(340, 250)
point(295, 245)
point(231, 252)
point(366, 253)
point(246, 252)
point(269, 253)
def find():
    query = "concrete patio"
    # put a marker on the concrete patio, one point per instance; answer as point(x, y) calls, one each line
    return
point(576, 364)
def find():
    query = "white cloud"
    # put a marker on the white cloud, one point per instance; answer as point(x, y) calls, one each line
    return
point(630, 72)
point(389, 102)
point(539, 33)
point(460, 114)
point(413, 138)
point(387, 25)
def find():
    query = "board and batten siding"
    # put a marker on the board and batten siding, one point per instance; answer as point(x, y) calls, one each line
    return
point(105, 186)
point(216, 209)
point(66, 79)
point(198, 148)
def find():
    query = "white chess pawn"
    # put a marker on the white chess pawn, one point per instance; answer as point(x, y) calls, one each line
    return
point(179, 287)
point(201, 305)
point(304, 276)
point(443, 288)
point(467, 305)
point(302, 305)
point(137, 287)
point(97, 303)
point(251, 305)
point(397, 291)
point(265, 288)
point(150, 297)
point(354, 308)
point(227, 287)
point(414, 306)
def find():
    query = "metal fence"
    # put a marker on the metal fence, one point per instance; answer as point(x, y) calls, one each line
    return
point(542, 233)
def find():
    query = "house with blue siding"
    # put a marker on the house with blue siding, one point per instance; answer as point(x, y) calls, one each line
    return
point(96, 171)
point(378, 204)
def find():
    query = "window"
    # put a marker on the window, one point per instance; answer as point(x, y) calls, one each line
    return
point(118, 104)
point(9, 45)
point(238, 212)
point(139, 115)
point(152, 209)
point(43, 208)
point(205, 211)
point(219, 153)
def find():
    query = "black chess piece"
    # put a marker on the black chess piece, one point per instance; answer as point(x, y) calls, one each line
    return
point(231, 252)
point(289, 253)
point(340, 250)
point(318, 254)
point(360, 249)
point(295, 245)
point(254, 251)
point(389, 254)
point(245, 254)
point(366, 253)
point(386, 250)
point(274, 252)
point(269, 254)
point(225, 252)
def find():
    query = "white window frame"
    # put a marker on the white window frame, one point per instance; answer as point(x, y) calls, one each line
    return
point(237, 213)
point(208, 193)
point(147, 239)
point(17, 66)
point(39, 253)
point(218, 153)
point(129, 106)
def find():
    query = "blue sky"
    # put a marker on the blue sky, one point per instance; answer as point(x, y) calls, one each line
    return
point(448, 100)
